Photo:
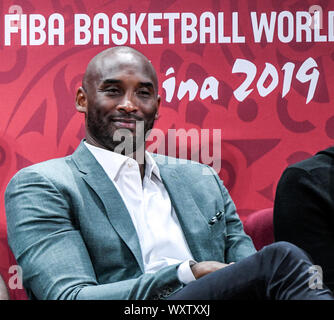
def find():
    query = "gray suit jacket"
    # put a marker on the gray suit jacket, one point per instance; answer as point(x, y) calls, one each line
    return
point(72, 235)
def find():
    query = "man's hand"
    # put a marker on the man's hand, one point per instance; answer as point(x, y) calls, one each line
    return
point(205, 267)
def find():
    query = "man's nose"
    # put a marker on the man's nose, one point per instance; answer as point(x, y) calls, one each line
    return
point(127, 105)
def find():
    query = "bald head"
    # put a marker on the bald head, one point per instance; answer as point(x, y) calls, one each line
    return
point(120, 88)
point(116, 58)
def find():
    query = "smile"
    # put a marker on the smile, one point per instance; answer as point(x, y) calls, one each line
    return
point(125, 123)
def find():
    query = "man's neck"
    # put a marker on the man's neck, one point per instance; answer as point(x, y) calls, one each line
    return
point(138, 155)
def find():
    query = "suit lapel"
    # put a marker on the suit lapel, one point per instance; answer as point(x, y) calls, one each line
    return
point(193, 223)
point(117, 212)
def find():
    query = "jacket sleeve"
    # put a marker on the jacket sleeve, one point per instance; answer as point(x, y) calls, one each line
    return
point(303, 215)
point(49, 247)
point(238, 244)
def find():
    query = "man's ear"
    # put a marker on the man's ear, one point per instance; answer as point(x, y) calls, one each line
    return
point(158, 105)
point(81, 100)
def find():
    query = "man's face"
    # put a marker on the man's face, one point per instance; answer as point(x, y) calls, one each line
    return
point(120, 93)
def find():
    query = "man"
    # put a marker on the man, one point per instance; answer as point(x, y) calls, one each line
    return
point(304, 209)
point(110, 222)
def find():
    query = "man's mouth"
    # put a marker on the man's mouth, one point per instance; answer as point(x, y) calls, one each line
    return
point(125, 123)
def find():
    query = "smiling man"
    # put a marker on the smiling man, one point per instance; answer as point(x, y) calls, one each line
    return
point(105, 223)
point(120, 91)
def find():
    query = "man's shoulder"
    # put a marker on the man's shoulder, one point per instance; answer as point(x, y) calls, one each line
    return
point(50, 169)
point(173, 161)
point(318, 169)
point(191, 173)
point(178, 163)
point(323, 160)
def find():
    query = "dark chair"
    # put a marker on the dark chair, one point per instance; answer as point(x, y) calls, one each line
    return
point(259, 226)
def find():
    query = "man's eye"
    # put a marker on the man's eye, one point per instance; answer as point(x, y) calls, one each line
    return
point(112, 91)
point(144, 93)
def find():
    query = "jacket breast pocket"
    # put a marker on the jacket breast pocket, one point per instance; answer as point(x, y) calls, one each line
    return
point(217, 224)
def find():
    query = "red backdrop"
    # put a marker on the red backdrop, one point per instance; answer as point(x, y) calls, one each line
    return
point(261, 135)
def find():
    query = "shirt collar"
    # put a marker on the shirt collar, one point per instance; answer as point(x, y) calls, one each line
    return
point(112, 162)
point(151, 167)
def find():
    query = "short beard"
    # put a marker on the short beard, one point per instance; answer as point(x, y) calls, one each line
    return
point(122, 141)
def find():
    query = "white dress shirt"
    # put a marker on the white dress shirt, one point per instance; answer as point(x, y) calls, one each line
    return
point(161, 238)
